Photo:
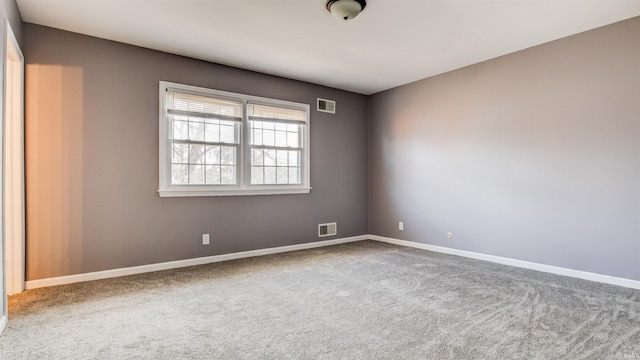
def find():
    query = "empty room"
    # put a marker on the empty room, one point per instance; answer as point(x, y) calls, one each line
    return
point(320, 179)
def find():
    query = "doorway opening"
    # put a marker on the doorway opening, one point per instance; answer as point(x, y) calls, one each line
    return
point(13, 165)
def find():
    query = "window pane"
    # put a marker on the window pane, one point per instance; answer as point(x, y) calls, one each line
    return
point(281, 138)
point(180, 154)
point(268, 137)
point(228, 134)
point(281, 158)
point(196, 131)
point(275, 134)
point(256, 157)
point(257, 175)
point(270, 175)
point(212, 155)
point(212, 133)
point(257, 137)
point(228, 175)
point(227, 155)
point(196, 174)
point(294, 175)
point(293, 158)
point(213, 174)
point(196, 154)
point(269, 157)
point(282, 175)
point(268, 125)
point(180, 130)
point(292, 139)
point(179, 174)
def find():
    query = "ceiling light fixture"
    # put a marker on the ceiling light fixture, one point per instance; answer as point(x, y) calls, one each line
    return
point(345, 9)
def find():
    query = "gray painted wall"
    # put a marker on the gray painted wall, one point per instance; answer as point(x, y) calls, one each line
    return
point(532, 156)
point(92, 161)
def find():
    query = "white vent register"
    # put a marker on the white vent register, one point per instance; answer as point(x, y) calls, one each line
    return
point(328, 229)
point(328, 106)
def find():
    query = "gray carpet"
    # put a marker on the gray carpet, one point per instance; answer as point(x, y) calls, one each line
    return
point(364, 300)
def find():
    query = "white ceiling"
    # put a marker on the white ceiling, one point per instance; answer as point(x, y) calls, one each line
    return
point(392, 42)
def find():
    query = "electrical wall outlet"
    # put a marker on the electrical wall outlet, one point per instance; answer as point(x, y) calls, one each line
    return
point(401, 226)
point(205, 239)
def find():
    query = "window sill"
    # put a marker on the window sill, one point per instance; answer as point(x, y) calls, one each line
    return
point(185, 192)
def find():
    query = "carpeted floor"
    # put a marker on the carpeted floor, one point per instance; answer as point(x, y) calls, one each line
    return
point(363, 300)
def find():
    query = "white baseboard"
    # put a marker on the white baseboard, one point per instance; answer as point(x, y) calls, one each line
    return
point(3, 323)
point(32, 284)
point(612, 280)
point(105, 274)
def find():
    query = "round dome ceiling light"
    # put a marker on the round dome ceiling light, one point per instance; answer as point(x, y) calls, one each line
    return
point(345, 9)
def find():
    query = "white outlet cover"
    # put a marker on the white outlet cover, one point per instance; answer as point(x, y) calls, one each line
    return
point(401, 226)
point(205, 239)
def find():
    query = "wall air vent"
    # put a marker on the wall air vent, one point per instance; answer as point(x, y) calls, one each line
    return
point(328, 106)
point(328, 229)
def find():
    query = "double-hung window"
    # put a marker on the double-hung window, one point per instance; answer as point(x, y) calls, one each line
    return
point(221, 143)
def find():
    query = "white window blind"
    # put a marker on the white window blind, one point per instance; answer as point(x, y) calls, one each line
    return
point(276, 114)
point(220, 143)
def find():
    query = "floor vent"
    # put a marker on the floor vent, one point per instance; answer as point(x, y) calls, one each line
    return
point(328, 106)
point(328, 229)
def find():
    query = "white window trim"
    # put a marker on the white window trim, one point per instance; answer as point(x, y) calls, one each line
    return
point(166, 189)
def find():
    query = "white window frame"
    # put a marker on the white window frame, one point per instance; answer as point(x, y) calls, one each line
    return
point(243, 186)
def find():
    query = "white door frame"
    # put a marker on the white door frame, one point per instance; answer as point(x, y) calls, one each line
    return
point(13, 164)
